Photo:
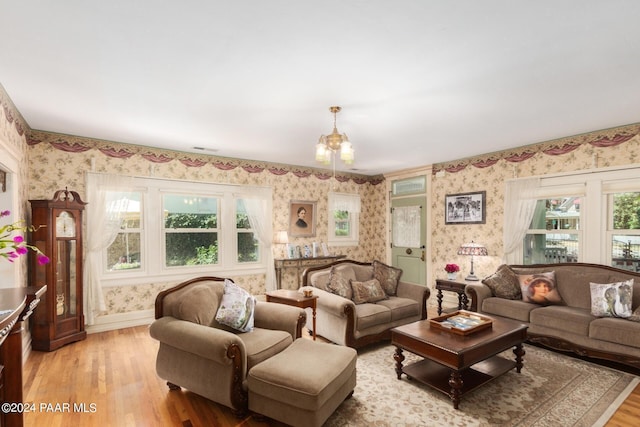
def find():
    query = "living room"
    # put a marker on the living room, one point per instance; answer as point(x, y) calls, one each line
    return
point(39, 162)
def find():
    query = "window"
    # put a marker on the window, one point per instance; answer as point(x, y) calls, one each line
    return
point(624, 230)
point(591, 216)
point(344, 212)
point(553, 234)
point(190, 230)
point(170, 230)
point(125, 253)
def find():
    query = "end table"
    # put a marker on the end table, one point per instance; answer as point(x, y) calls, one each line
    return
point(452, 286)
point(296, 299)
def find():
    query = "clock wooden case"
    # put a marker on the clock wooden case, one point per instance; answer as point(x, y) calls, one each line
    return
point(59, 319)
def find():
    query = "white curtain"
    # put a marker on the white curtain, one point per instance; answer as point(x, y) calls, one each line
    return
point(519, 207)
point(256, 210)
point(406, 226)
point(344, 202)
point(105, 212)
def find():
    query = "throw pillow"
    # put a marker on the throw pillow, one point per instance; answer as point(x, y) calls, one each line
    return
point(339, 282)
point(237, 307)
point(539, 288)
point(504, 283)
point(387, 276)
point(369, 291)
point(612, 299)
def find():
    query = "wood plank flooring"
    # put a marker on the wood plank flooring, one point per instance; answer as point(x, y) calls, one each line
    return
point(109, 379)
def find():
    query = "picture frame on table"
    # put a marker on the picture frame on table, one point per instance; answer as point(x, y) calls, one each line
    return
point(302, 218)
point(466, 208)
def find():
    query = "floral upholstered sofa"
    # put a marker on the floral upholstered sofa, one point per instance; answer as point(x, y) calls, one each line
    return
point(589, 309)
point(359, 303)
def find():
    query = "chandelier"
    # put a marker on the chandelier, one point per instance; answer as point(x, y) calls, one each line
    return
point(329, 145)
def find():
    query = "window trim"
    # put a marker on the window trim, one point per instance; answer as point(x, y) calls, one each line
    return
point(153, 269)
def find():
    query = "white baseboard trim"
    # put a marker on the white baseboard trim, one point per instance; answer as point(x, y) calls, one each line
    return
point(112, 322)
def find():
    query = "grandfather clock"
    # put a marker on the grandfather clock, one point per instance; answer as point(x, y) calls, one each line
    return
point(59, 319)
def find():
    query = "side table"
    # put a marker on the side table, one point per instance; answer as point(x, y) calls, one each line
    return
point(452, 286)
point(296, 299)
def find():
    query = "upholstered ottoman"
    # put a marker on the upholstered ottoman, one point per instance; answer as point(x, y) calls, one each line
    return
point(303, 384)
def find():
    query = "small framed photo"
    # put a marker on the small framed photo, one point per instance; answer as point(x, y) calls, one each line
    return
point(302, 218)
point(465, 208)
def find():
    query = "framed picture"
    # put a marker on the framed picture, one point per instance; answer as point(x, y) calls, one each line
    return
point(465, 208)
point(302, 218)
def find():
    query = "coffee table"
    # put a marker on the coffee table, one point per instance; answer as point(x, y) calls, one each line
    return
point(456, 364)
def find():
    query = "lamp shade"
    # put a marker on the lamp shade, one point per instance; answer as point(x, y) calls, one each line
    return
point(472, 249)
point(282, 238)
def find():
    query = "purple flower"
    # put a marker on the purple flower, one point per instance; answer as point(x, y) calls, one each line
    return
point(21, 250)
point(43, 259)
point(18, 239)
point(4, 213)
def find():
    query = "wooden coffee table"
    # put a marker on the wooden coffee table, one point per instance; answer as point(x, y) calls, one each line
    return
point(456, 364)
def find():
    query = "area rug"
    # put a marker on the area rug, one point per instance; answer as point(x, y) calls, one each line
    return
point(552, 390)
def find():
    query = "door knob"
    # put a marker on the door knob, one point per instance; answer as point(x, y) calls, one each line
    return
point(409, 251)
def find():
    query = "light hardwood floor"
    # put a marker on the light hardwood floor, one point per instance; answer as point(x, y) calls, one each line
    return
point(109, 379)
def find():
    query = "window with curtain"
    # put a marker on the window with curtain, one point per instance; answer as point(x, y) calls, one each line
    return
point(174, 229)
point(590, 216)
point(344, 211)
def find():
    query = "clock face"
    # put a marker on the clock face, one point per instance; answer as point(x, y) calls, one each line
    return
point(65, 225)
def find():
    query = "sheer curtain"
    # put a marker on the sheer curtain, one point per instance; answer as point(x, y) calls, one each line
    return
point(344, 202)
point(519, 206)
point(105, 212)
point(257, 213)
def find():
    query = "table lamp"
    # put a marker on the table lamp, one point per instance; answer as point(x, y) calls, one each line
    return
point(282, 238)
point(472, 249)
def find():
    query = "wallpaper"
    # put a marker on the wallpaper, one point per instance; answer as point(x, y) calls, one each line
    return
point(54, 165)
point(584, 154)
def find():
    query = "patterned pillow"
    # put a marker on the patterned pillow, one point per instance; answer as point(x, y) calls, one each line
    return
point(387, 276)
point(369, 291)
point(339, 282)
point(504, 283)
point(612, 299)
point(236, 308)
point(539, 288)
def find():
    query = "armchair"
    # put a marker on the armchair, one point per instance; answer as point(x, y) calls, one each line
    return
point(208, 358)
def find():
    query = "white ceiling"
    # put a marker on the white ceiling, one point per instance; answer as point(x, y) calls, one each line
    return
point(420, 81)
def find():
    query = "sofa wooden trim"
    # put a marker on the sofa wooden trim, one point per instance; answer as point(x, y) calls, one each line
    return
point(559, 343)
point(349, 312)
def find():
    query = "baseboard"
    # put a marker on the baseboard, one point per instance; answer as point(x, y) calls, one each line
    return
point(112, 322)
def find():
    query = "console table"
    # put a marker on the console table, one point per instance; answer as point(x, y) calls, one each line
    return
point(299, 264)
point(17, 304)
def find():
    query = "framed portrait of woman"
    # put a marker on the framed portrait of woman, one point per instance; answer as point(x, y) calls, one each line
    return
point(302, 218)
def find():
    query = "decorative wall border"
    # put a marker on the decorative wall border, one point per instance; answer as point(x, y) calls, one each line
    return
point(11, 113)
point(602, 139)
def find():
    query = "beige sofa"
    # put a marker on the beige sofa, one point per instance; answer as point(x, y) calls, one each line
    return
point(210, 359)
point(344, 322)
point(569, 324)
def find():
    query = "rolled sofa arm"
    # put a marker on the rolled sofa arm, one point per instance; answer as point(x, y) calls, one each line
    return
point(415, 292)
point(333, 304)
point(205, 341)
point(281, 317)
point(477, 292)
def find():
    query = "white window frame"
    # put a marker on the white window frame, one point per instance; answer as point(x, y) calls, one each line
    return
point(351, 204)
point(153, 243)
point(594, 187)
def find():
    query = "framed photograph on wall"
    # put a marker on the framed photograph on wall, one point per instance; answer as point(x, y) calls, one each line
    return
point(302, 218)
point(465, 208)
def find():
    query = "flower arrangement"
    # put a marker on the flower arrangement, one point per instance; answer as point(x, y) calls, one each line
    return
point(451, 268)
point(12, 247)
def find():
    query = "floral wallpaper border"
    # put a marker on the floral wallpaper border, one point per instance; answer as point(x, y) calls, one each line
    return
point(601, 138)
point(77, 144)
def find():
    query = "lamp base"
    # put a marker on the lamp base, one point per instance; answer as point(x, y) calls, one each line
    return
point(471, 278)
